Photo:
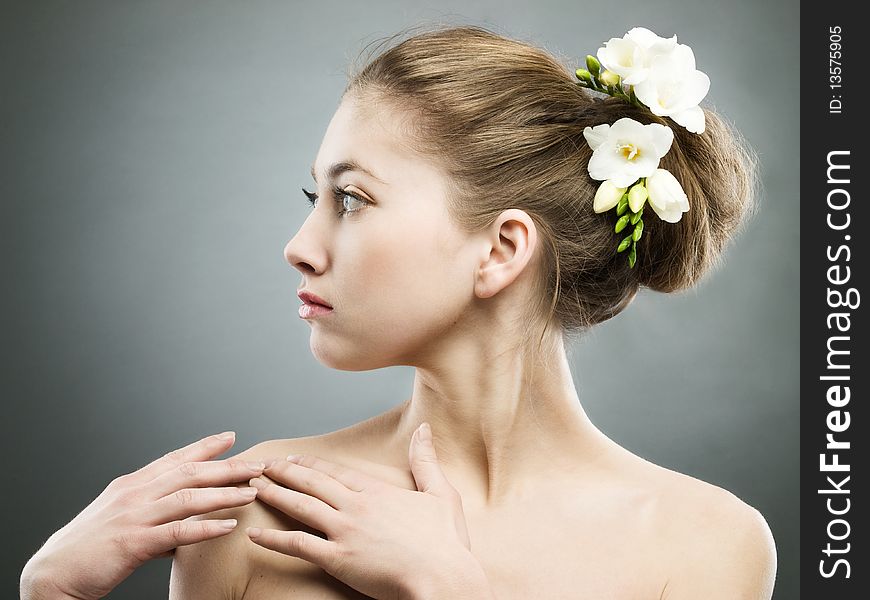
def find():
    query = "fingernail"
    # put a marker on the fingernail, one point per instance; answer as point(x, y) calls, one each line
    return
point(226, 435)
point(257, 483)
point(270, 462)
point(254, 531)
point(248, 492)
point(227, 524)
point(256, 466)
point(294, 458)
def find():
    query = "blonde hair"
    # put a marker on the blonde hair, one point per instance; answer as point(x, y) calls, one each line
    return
point(505, 120)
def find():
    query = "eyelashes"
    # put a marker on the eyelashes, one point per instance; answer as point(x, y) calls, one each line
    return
point(339, 195)
point(312, 197)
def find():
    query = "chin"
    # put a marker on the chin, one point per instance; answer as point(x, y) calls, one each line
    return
point(357, 358)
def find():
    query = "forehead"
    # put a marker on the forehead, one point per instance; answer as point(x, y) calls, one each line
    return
point(369, 136)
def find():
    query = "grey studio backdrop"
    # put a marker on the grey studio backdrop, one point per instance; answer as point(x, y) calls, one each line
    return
point(152, 159)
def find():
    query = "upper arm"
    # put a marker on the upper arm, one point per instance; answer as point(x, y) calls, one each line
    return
point(212, 569)
point(732, 556)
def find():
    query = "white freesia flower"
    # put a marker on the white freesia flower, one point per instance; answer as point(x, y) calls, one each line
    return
point(674, 88)
point(631, 56)
point(607, 196)
point(627, 150)
point(666, 196)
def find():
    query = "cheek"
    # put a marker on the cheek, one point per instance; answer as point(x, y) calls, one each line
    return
point(401, 286)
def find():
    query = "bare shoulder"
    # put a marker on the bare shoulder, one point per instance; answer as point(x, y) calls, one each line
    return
point(218, 568)
point(232, 567)
point(716, 545)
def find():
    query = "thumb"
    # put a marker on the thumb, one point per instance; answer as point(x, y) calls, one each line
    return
point(424, 464)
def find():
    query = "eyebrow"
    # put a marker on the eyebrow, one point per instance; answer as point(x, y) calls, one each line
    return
point(346, 165)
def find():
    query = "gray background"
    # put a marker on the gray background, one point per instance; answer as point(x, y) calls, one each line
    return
point(152, 155)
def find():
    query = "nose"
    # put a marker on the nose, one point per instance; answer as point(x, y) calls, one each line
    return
point(294, 259)
point(303, 254)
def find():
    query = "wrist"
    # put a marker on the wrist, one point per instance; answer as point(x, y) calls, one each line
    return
point(37, 583)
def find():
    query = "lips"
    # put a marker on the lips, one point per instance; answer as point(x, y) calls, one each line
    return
point(310, 311)
point(313, 299)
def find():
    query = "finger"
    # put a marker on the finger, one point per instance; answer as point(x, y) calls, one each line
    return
point(303, 545)
point(425, 467)
point(204, 449)
point(304, 508)
point(312, 482)
point(332, 483)
point(180, 533)
point(204, 474)
point(352, 479)
point(189, 502)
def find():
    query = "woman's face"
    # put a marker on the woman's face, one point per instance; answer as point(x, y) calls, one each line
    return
point(397, 271)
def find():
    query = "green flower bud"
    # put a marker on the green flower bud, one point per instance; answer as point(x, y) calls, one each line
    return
point(621, 223)
point(638, 230)
point(593, 65)
point(636, 216)
point(624, 243)
point(632, 256)
point(622, 205)
point(609, 78)
point(583, 75)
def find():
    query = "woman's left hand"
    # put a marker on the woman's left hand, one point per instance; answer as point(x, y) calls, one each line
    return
point(383, 540)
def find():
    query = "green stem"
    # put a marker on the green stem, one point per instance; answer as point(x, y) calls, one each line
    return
point(616, 91)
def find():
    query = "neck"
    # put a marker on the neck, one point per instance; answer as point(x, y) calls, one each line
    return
point(502, 422)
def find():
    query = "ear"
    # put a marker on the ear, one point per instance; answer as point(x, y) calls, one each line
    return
point(512, 240)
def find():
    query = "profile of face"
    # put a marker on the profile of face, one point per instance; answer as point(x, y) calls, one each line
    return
point(398, 271)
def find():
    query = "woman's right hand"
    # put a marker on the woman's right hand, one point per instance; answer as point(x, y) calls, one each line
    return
point(140, 516)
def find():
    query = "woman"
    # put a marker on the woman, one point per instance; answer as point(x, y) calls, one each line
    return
point(462, 173)
point(453, 230)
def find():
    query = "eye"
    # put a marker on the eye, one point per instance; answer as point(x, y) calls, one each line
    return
point(340, 195)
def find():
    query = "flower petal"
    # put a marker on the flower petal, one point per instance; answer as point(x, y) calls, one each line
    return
point(596, 135)
point(662, 137)
point(605, 165)
point(670, 216)
point(682, 57)
point(691, 118)
point(695, 87)
point(648, 92)
point(624, 57)
point(626, 177)
point(626, 127)
point(643, 166)
point(635, 76)
point(647, 39)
